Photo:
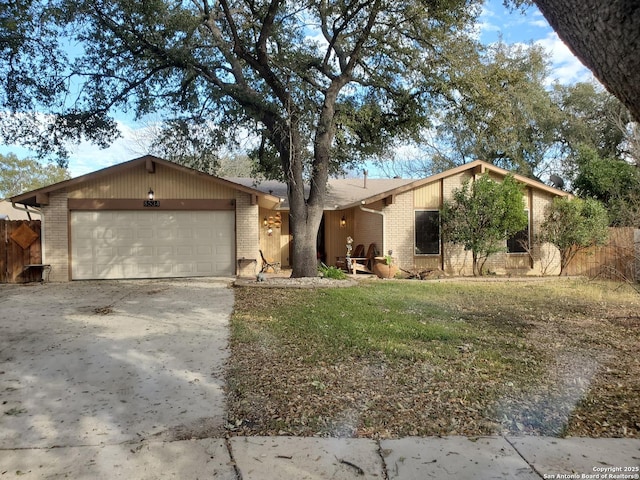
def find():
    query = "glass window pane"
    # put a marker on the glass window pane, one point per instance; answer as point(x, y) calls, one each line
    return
point(427, 228)
point(519, 243)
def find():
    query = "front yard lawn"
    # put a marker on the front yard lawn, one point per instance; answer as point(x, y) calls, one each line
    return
point(393, 358)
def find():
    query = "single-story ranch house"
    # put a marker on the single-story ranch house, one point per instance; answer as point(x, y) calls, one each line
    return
point(150, 218)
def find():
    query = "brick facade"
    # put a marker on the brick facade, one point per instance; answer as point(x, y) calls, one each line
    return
point(393, 229)
point(399, 219)
point(247, 236)
point(399, 229)
point(55, 237)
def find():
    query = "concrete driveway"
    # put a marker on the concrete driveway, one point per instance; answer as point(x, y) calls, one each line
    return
point(102, 363)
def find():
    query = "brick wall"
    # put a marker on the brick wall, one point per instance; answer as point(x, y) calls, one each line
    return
point(546, 258)
point(247, 235)
point(399, 219)
point(55, 239)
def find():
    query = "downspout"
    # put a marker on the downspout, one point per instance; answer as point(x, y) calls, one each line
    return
point(384, 230)
point(29, 210)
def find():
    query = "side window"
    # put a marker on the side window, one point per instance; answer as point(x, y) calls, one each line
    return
point(519, 243)
point(427, 228)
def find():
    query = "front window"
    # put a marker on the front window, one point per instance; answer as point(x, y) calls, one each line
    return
point(519, 243)
point(427, 228)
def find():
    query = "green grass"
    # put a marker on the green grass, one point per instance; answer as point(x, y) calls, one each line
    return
point(427, 358)
point(363, 321)
point(397, 320)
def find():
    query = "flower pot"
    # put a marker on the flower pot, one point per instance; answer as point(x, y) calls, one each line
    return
point(382, 269)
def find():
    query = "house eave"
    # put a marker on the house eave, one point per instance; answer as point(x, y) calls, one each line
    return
point(482, 167)
point(37, 198)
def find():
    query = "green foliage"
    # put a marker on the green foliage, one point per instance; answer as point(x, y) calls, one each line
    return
point(234, 65)
point(18, 176)
point(499, 110)
point(592, 118)
point(482, 215)
point(257, 66)
point(331, 272)
point(614, 182)
point(573, 225)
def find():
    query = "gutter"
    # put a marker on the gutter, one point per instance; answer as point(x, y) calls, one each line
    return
point(29, 210)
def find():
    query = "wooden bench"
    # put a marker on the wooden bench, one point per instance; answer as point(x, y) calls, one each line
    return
point(45, 269)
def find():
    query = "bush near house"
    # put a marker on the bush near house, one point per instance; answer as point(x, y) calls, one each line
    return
point(482, 215)
point(574, 225)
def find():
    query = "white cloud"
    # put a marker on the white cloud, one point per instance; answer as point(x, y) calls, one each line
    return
point(542, 23)
point(86, 157)
point(566, 68)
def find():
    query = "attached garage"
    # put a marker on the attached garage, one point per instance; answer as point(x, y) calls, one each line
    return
point(148, 218)
point(152, 244)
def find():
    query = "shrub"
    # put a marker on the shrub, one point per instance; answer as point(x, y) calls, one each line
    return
point(331, 272)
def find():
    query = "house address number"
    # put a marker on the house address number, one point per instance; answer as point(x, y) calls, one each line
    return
point(151, 203)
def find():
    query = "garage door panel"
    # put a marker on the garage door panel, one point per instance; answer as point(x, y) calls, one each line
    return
point(145, 244)
point(205, 268)
point(143, 233)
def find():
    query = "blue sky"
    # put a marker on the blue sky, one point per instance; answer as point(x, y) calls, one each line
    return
point(495, 21)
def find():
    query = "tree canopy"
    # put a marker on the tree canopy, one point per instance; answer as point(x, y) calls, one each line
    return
point(501, 111)
point(501, 108)
point(21, 175)
point(322, 83)
point(599, 150)
point(615, 182)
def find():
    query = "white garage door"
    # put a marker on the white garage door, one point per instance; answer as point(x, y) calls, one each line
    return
point(148, 244)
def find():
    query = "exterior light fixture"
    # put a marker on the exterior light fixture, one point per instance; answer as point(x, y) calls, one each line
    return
point(265, 222)
point(151, 195)
point(343, 222)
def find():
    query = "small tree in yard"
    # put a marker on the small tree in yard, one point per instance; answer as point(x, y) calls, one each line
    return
point(482, 215)
point(573, 225)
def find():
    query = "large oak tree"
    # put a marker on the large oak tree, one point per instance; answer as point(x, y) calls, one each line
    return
point(605, 36)
point(323, 82)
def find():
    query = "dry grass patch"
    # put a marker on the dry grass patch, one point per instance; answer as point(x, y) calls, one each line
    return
point(388, 359)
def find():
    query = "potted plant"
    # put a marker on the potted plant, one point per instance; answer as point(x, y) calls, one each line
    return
point(385, 267)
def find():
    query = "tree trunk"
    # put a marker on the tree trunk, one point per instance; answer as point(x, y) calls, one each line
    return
point(305, 233)
point(476, 271)
point(306, 213)
point(605, 36)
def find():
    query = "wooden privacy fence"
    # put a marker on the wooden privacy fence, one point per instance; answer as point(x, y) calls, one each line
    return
point(618, 260)
point(20, 246)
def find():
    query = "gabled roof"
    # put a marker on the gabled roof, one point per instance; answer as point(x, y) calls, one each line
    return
point(340, 191)
point(31, 198)
point(478, 165)
point(343, 193)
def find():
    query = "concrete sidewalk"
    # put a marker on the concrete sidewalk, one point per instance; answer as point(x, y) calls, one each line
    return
point(294, 458)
